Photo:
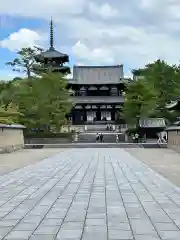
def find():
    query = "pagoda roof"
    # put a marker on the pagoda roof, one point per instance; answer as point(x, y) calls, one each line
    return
point(98, 74)
point(52, 53)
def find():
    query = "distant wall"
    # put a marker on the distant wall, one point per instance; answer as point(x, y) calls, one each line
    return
point(174, 137)
point(11, 138)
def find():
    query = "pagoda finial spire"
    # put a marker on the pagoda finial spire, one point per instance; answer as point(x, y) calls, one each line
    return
point(51, 34)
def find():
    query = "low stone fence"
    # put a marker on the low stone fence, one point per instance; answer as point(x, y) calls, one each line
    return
point(11, 138)
point(173, 137)
point(47, 140)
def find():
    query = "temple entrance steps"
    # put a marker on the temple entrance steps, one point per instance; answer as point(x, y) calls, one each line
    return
point(108, 137)
point(94, 128)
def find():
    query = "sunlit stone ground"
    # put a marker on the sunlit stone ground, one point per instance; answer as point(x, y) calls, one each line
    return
point(89, 194)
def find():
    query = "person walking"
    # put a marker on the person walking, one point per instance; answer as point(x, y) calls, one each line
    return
point(76, 137)
point(136, 137)
point(133, 138)
point(101, 137)
point(97, 137)
point(117, 138)
point(162, 137)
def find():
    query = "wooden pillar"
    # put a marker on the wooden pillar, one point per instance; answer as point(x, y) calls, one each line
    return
point(113, 113)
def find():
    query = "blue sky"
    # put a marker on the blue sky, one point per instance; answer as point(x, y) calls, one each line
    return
point(94, 32)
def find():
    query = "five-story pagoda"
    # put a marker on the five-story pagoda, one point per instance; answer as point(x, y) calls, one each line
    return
point(52, 59)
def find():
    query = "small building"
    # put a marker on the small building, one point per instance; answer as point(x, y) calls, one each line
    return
point(173, 131)
point(173, 137)
point(151, 127)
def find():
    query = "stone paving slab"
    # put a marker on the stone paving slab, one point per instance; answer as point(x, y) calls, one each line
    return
point(85, 194)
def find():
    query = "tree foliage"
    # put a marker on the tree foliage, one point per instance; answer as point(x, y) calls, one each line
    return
point(164, 80)
point(8, 90)
point(26, 61)
point(43, 101)
point(140, 101)
point(9, 114)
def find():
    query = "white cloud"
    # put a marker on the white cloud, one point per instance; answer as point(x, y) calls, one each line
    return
point(41, 8)
point(105, 11)
point(93, 56)
point(131, 45)
point(23, 38)
point(97, 32)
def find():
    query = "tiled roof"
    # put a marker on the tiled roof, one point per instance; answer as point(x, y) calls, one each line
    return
point(52, 53)
point(18, 126)
point(172, 104)
point(98, 74)
point(152, 123)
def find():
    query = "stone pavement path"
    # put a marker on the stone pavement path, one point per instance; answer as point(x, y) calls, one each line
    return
point(85, 194)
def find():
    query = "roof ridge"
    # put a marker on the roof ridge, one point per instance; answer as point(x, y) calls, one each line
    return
point(54, 50)
point(98, 66)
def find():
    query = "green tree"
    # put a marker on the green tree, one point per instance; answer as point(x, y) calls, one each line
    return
point(140, 101)
point(9, 114)
point(8, 90)
point(44, 102)
point(3, 85)
point(26, 61)
point(165, 80)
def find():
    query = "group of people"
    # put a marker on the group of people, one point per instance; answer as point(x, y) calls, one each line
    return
point(135, 137)
point(99, 137)
point(110, 127)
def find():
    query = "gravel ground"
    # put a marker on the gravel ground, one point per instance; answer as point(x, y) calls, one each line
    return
point(164, 161)
point(13, 161)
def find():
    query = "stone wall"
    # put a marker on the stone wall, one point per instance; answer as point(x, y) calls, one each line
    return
point(11, 138)
point(174, 137)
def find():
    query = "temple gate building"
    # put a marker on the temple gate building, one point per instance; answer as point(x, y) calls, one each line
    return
point(98, 94)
